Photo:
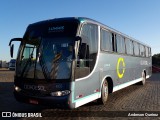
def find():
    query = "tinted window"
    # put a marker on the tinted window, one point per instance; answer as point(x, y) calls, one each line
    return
point(120, 44)
point(90, 37)
point(136, 48)
point(147, 52)
point(106, 40)
point(142, 51)
point(150, 52)
point(89, 46)
point(129, 46)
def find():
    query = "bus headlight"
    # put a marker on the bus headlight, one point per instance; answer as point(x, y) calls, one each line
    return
point(17, 88)
point(60, 93)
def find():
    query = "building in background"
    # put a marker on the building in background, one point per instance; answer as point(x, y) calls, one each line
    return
point(4, 64)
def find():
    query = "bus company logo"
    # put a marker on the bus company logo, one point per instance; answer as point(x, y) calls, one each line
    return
point(34, 87)
point(56, 29)
point(120, 62)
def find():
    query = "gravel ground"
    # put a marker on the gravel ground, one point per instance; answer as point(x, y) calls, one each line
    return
point(133, 99)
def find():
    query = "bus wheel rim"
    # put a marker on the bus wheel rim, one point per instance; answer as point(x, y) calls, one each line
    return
point(105, 90)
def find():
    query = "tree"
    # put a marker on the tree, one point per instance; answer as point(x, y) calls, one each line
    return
point(156, 59)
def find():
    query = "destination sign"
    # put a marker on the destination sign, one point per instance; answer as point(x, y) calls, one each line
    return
point(52, 29)
point(56, 29)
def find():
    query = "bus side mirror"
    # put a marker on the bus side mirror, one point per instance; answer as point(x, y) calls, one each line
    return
point(11, 50)
point(78, 38)
point(12, 45)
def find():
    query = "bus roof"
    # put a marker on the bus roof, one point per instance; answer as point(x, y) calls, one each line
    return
point(85, 19)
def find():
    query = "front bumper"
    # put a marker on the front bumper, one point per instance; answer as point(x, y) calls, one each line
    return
point(62, 101)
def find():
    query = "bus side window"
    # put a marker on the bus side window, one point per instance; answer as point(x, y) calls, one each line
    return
point(120, 44)
point(106, 40)
point(142, 51)
point(129, 46)
point(147, 52)
point(150, 54)
point(89, 49)
point(136, 48)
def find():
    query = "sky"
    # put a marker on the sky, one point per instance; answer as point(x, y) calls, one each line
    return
point(139, 19)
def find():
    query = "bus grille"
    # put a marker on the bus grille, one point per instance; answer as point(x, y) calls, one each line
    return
point(34, 94)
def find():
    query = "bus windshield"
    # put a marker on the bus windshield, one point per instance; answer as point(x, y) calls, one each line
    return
point(46, 58)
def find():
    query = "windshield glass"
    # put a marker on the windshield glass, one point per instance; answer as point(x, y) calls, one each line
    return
point(46, 58)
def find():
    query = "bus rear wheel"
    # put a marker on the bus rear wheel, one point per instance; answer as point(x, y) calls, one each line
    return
point(104, 93)
point(143, 78)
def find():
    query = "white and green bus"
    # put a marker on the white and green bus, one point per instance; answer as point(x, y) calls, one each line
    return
point(73, 61)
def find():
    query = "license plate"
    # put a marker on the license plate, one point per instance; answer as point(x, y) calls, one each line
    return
point(33, 101)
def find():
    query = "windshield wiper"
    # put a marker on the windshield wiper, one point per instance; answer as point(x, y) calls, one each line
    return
point(43, 65)
point(44, 68)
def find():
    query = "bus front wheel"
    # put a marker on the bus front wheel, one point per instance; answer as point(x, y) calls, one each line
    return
point(104, 93)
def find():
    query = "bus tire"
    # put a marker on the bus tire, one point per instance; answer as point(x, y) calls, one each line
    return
point(143, 78)
point(104, 93)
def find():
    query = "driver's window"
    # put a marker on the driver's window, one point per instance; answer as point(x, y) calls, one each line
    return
point(29, 52)
point(28, 60)
point(87, 50)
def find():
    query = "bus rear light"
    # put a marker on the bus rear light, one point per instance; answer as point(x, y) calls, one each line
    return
point(60, 93)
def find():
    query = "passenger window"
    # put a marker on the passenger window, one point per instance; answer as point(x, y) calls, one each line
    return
point(106, 40)
point(89, 49)
point(150, 54)
point(120, 44)
point(147, 52)
point(129, 46)
point(89, 35)
point(142, 51)
point(136, 48)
